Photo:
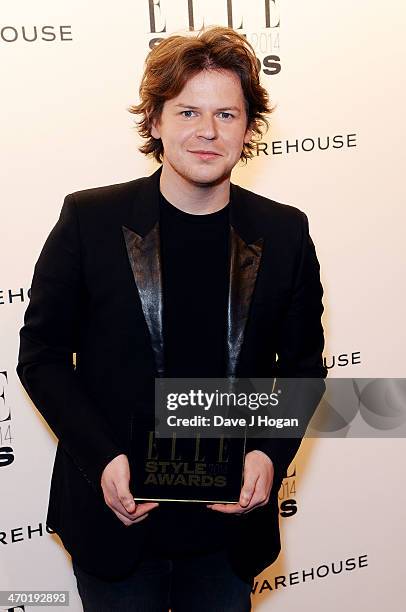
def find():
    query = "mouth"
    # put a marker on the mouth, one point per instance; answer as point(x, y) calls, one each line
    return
point(205, 154)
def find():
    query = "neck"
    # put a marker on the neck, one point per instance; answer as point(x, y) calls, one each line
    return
point(194, 198)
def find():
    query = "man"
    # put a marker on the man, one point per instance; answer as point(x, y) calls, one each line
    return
point(179, 274)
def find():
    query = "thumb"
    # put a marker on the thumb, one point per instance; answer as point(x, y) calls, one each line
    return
point(125, 496)
point(248, 488)
point(130, 504)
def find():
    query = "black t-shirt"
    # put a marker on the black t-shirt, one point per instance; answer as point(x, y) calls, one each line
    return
point(195, 275)
point(195, 283)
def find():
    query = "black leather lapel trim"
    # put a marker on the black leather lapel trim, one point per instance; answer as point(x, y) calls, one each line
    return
point(144, 254)
point(244, 265)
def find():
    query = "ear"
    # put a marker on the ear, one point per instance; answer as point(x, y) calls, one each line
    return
point(248, 135)
point(155, 132)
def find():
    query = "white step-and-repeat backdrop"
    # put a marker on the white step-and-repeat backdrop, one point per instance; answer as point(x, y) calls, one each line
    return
point(68, 72)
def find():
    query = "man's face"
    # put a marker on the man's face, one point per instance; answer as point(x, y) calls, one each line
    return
point(207, 116)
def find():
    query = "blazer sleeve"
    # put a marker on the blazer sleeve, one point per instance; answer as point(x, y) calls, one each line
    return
point(48, 340)
point(300, 343)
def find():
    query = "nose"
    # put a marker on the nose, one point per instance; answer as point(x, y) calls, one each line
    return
point(206, 127)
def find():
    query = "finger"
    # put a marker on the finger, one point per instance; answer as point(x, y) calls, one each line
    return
point(250, 479)
point(127, 522)
point(236, 509)
point(119, 511)
point(260, 497)
point(139, 509)
point(124, 496)
point(144, 509)
point(263, 488)
point(226, 508)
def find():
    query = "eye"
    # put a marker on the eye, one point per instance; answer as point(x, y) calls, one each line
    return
point(187, 111)
point(225, 113)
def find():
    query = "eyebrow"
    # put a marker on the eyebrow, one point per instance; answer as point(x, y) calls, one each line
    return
point(224, 108)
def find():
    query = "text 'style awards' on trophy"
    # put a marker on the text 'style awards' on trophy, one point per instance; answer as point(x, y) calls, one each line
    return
point(194, 469)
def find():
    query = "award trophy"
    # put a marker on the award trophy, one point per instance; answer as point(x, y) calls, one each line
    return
point(195, 469)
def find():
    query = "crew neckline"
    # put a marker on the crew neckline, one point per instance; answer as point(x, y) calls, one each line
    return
point(181, 215)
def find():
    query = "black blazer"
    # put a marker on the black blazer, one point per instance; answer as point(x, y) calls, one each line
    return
point(97, 292)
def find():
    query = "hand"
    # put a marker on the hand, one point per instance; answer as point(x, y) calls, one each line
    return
point(115, 484)
point(258, 479)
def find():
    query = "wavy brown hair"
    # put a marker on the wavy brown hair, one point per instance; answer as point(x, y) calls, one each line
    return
point(176, 59)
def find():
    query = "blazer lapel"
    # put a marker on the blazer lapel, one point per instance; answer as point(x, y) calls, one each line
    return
point(142, 242)
point(145, 260)
point(244, 265)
